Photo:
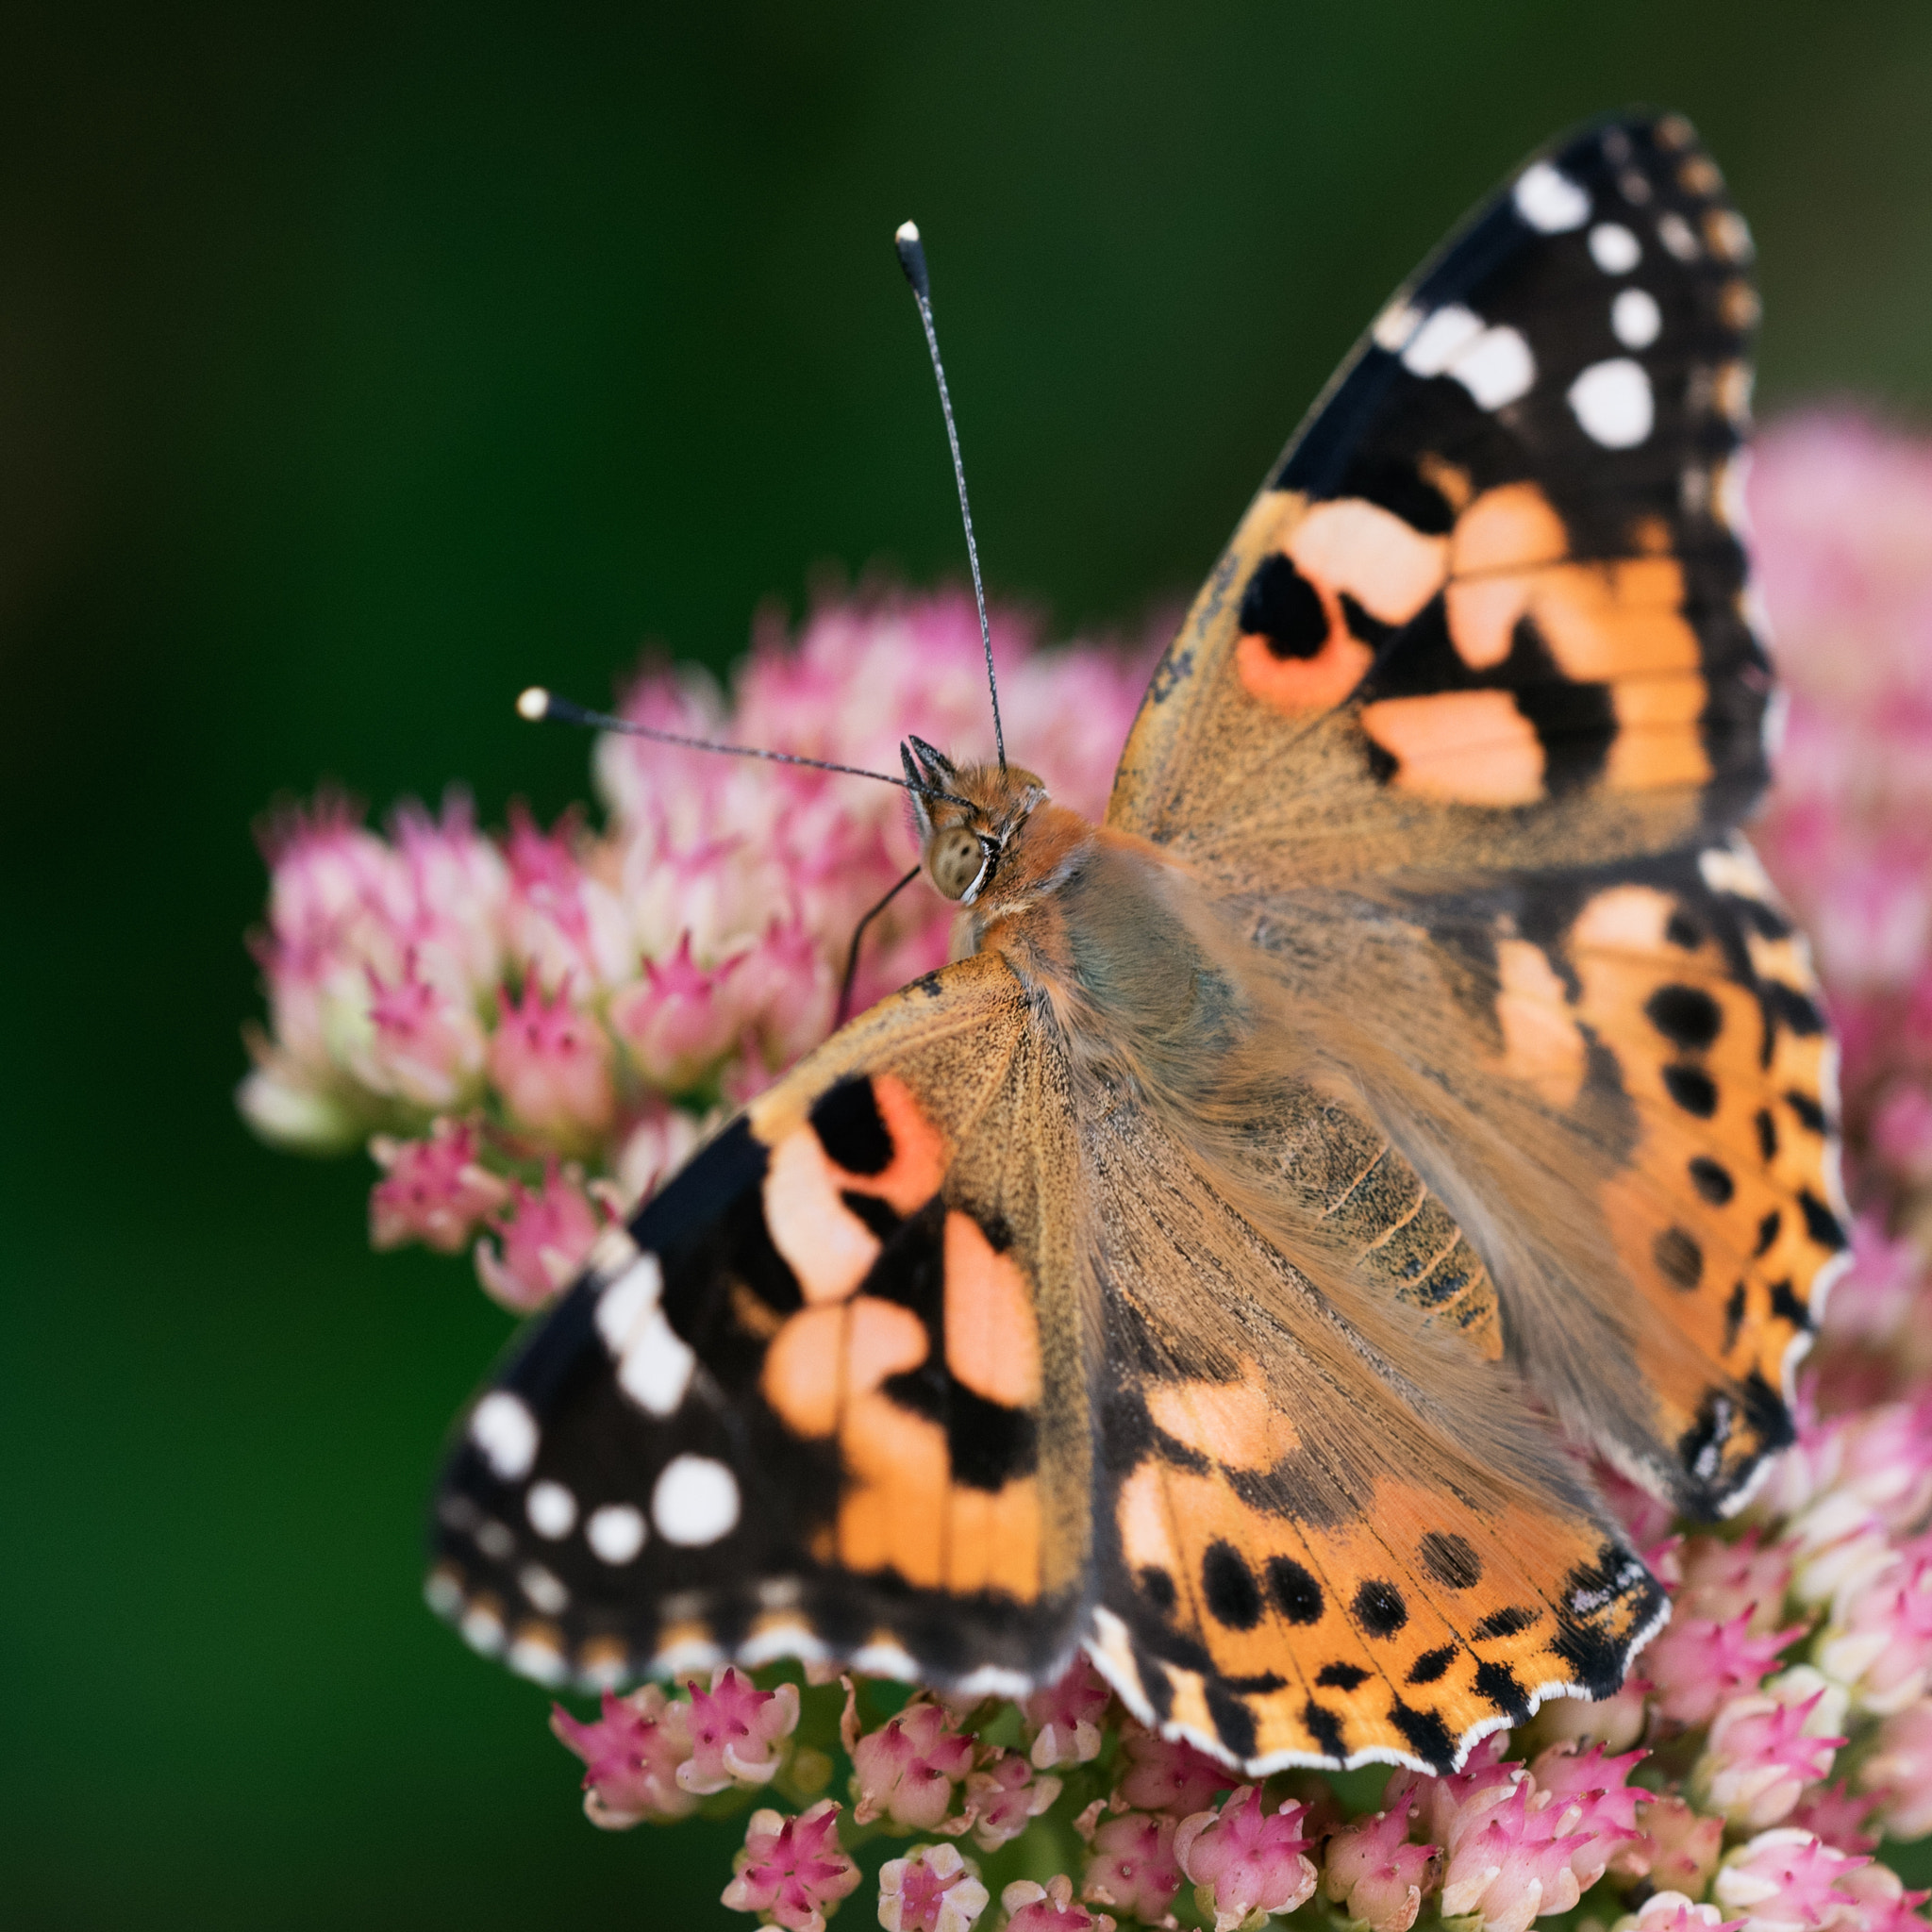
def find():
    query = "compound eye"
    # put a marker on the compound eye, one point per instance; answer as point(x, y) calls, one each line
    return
point(956, 861)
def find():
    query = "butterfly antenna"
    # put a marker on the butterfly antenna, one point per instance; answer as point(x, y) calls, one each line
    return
point(912, 260)
point(540, 705)
point(845, 1009)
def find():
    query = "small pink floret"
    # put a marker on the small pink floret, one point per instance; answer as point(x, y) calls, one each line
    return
point(1244, 1859)
point(737, 1732)
point(1169, 1774)
point(632, 1753)
point(932, 1889)
point(1133, 1866)
point(542, 1241)
point(1372, 1870)
point(906, 1770)
point(1049, 1907)
point(551, 1062)
point(433, 1191)
point(792, 1869)
point(1063, 1720)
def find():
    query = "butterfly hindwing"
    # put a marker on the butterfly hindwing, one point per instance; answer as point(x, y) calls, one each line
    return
point(810, 1401)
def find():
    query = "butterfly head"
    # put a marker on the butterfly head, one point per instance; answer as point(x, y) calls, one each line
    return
point(967, 818)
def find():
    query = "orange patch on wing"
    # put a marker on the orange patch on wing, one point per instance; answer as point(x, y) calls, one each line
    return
point(826, 1358)
point(1387, 565)
point(1238, 1425)
point(1659, 738)
point(1303, 684)
point(892, 1514)
point(1540, 1043)
point(830, 1249)
point(1473, 746)
point(993, 1339)
point(994, 1539)
point(1604, 621)
point(912, 1176)
point(1501, 538)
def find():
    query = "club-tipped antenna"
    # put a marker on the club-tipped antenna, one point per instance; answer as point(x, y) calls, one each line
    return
point(540, 705)
point(912, 260)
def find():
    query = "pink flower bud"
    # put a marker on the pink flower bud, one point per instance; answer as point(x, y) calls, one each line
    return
point(1133, 1866)
point(432, 1190)
point(562, 919)
point(1680, 1847)
point(1167, 1774)
point(1245, 1862)
point(1757, 1757)
point(1049, 1907)
point(1004, 1797)
point(425, 1046)
point(1784, 1881)
point(1514, 1863)
point(1697, 1663)
point(1722, 1580)
point(679, 1020)
point(1838, 1815)
point(542, 1243)
point(787, 988)
point(932, 1889)
point(1372, 1870)
point(632, 1755)
point(1879, 1899)
point(1063, 1720)
point(1585, 1792)
point(737, 1732)
point(905, 1771)
point(1451, 1807)
point(552, 1065)
point(1671, 1911)
point(1898, 1772)
point(792, 1869)
point(1878, 1643)
point(457, 885)
point(1902, 1132)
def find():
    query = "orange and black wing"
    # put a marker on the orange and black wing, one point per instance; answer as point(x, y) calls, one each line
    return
point(1489, 607)
point(814, 1399)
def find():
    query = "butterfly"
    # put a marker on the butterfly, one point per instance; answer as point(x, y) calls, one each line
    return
point(1204, 1270)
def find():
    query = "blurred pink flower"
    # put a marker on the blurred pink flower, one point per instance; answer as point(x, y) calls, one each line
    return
point(1133, 1866)
point(682, 1018)
point(1719, 1579)
point(1783, 1880)
point(1757, 1757)
point(1838, 1815)
point(1877, 1642)
point(551, 1063)
point(1697, 1663)
point(932, 1889)
point(1063, 1720)
point(1898, 1772)
point(541, 1242)
point(422, 1045)
point(906, 1770)
point(633, 1753)
point(1049, 1907)
point(1244, 1859)
point(737, 1732)
point(1681, 1846)
point(792, 1869)
point(1371, 1868)
point(1513, 1863)
point(1004, 1797)
point(1169, 1774)
point(433, 1191)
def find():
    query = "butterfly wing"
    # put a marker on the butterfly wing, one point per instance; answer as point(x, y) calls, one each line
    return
point(1490, 598)
point(818, 1397)
point(903, 1370)
point(1460, 725)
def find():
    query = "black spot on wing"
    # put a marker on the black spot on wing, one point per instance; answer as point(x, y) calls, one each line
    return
point(1427, 1736)
point(1787, 1306)
point(1820, 1223)
point(1295, 1592)
point(1157, 1585)
point(1501, 1686)
point(1678, 1259)
point(1228, 1585)
point(1687, 1016)
point(1768, 1231)
point(1805, 1106)
point(1325, 1729)
point(1340, 1676)
point(1712, 1180)
point(1379, 1608)
point(879, 1216)
point(846, 1119)
point(1234, 1723)
point(1767, 1134)
point(1503, 1623)
point(1692, 1088)
point(1451, 1559)
point(1428, 1666)
point(1283, 607)
point(1734, 1316)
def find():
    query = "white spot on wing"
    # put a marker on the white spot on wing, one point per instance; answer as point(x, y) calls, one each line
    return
point(1673, 231)
point(506, 1431)
point(530, 1657)
point(624, 1306)
point(495, 1539)
point(1392, 328)
point(552, 1510)
point(1634, 318)
point(885, 1659)
point(694, 1500)
point(482, 1629)
point(1495, 365)
point(442, 1592)
point(1549, 201)
point(1612, 400)
point(1449, 330)
point(545, 1592)
point(657, 1366)
point(615, 1533)
point(1614, 248)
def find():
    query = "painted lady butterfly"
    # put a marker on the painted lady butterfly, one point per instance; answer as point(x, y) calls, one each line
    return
point(1414, 1054)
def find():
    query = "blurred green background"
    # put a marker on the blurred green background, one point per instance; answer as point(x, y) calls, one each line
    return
point(358, 364)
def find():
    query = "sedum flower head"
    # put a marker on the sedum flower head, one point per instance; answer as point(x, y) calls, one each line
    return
point(792, 1871)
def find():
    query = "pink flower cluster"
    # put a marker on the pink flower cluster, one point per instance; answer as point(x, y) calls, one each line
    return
point(529, 1030)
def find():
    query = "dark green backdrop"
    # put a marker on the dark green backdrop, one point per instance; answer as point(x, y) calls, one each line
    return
point(358, 364)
